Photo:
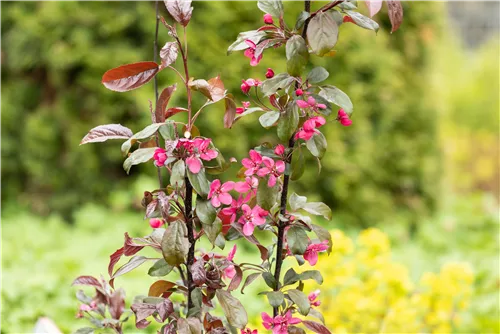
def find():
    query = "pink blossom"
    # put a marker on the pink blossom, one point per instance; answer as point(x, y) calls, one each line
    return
point(279, 324)
point(233, 210)
point(299, 92)
point(269, 73)
point(249, 185)
point(245, 104)
point(252, 164)
point(279, 149)
point(160, 156)
point(311, 104)
point(202, 145)
point(343, 118)
point(249, 331)
point(313, 298)
point(274, 170)
point(251, 218)
point(311, 253)
point(230, 255)
point(250, 53)
point(220, 193)
point(268, 19)
point(194, 164)
point(245, 87)
point(309, 127)
point(229, 272)
point(85, 308)
point(196, 149)
point(249, 83)
point(155, 222)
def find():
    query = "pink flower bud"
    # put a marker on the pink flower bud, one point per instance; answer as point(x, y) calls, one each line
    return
point(279, 150)
point(269, 73)
point(299, 92)
point(245, 87)
point(155, 222)
point(268, 19)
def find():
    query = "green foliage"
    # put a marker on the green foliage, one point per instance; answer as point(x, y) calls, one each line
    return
point(55, 54)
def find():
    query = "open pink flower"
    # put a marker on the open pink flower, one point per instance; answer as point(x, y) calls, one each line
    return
point(250, 53)
point(309, 128)
point(233, 210)
point(155, 222)
point(203, 148)
point(251, 218)
point(274, 170)
point(241, 110)
point(269, 73)
point(279, 324)
point(310, 104)
point(252, 164)
point(313, 298)
point(194, 164)
point(268, 19)
point(160, 156)
point(229, 272)
point(220, 193)
point(311, 253)
point(343, 118)
point(248, 186)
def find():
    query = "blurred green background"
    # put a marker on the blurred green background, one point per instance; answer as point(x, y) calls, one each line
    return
point(420, 162)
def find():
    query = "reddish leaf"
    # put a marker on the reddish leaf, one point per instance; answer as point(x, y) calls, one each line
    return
point(168, 53)
point(374, 6)
point(130, 248)
point(198, 272)
point(316, 327)
point(235, 282)
point(158, 288)
point(172, 111)
point(104, 132)
point(142, 311)
point(395, 10)
point(133, 263)
point(230, 113)
point(262, 46)
point(164, 309)
point(347, 18)
point(250, 278)
point(117, 304)
point(113, 259)
point(131, 76)
point(87, 280)
point(148, 144)
point(161, 105)
point(217, 90)
point(180, 10)
point(151, 208)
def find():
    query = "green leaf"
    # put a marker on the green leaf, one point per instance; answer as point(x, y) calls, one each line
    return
point(205, 211)
point(253, 35)
point(317, 315)
point(312, 274)
point(139, 156)
point(297, 239)
point(133, 263)
point(275, 298)
point(160, 268)
point(279, 81)
point(267, 197)
point(320, 99)
point(199, 182)
point(319, 209)
point(323, 234)
point(273, 7)
point(317, 74)
point(147, 132)
point(234, 311)
point(301, 300)
point(84, 330)
point(174, 244)
point(317, 145)
point(269, 279)
point(301, 19)
point(298, 165)
point(212, 231)
point(297, 55)
point(347, 5)
point(178, 174)
point(167, 131)
point(322, 33)
point(288, 122)
point(334, 95)
point(297, 201)
point(363, 21)
point(269, 118)
point(291, 277)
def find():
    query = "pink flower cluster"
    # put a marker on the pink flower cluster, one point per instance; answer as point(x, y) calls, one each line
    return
point(309, 128)
point(280, 323)
point(310, 104)
point(241, 110)
point(343, 118)
point(249, 83)
point(313, 298)
point(192, 150)
point(263, 166)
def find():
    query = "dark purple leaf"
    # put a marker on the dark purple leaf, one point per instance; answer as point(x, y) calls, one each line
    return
point(198, 272)
point(168, 53)
point(130, 248)
point(162, 103)
point(230, 112)
point(236, 280)
point(87, 280)
point(104, 132)
point(180, 10)
point(142, 311)
point(316, 327)
point(395, 10)
point(117, 304)
point(133, 263)
point(250, 278)
point(113, 259)
point(131, 76)
point(173, 111)
point(164, 204)
point(165, 308)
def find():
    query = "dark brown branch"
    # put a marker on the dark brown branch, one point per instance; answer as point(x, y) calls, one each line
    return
point(188, 201)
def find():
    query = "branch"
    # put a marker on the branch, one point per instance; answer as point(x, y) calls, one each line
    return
point(192, 242)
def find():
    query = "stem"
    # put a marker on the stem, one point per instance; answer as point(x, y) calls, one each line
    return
point(155, 82)
point(284, 192)
point(190, 260)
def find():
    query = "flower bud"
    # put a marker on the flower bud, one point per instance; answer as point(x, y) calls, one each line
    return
point(155, 222)
point(299, 92)
point(268, 19)
point(269, 73)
